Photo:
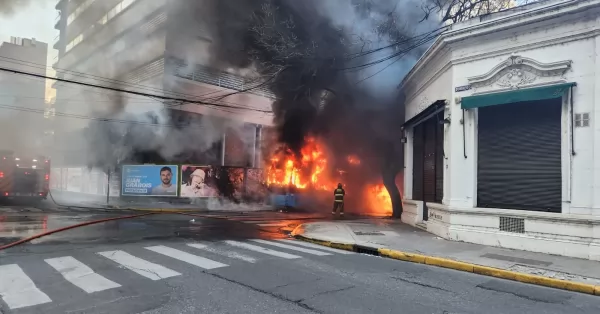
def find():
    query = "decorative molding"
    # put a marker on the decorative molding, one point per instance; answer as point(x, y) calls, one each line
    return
point(495, 53)
point(518, 72)
point(525, 17)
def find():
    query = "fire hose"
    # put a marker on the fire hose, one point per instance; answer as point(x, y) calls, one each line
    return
point(93, 222)
point(87, 223)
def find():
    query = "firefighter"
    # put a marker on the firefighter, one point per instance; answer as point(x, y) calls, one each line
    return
point(338, 201)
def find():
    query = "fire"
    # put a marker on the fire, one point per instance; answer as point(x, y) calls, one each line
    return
point(286, 170)
point(378, 200)
point(313, 171)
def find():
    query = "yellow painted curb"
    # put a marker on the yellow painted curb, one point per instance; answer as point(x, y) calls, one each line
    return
point(448, 263)
point(403, 256)
point(341, 246)
point(471, 268)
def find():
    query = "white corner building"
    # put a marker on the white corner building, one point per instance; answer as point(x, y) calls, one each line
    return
point(502, 145)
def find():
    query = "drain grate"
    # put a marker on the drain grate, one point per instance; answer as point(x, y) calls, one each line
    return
point(365, 250)
point(368, 233)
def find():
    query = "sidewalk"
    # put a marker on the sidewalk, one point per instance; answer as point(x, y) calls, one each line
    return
point(394, 235)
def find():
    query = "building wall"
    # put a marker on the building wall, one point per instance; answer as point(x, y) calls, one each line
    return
point(429, 88)
point(549, 32)
point(155, 47)
point(239, 145)
point(22, 98)
point(563, 41)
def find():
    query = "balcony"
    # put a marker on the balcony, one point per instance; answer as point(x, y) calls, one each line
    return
point(57, 42)
point(250, 105)
point(207, 75)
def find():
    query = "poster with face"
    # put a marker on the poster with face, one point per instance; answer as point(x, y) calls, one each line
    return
point(149, 180)
point(198, 181)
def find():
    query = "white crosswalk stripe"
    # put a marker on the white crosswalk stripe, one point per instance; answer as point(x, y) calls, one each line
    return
point(18, 290)
point(261, 249)
point(291, 247)
point(315, 246)
point(230, 254)
point(186, 257)
point(140, 266)
point(81, 275)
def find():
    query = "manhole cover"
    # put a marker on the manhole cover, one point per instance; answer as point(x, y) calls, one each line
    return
point(368, 233)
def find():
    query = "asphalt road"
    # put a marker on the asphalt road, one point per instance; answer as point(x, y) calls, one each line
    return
point(167, 264)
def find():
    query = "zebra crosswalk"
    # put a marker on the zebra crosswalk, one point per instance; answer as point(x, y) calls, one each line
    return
point(19, 290)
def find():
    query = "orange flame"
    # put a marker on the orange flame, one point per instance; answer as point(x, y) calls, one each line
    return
point(312, 171)
point(309, 170)
point(378, 201)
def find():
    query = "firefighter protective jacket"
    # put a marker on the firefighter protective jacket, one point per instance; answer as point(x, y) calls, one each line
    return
point(339, 195)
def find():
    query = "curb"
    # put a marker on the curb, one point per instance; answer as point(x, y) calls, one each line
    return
point(463, 266)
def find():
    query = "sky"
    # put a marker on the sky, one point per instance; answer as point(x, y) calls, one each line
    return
point(35, 20)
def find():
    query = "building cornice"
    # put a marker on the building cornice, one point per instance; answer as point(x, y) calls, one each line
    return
point(462, 31)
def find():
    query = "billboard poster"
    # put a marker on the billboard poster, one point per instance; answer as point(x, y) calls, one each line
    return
point(198, 181)
point(149, 180)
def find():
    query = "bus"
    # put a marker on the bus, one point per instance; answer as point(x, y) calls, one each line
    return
point(23, 177)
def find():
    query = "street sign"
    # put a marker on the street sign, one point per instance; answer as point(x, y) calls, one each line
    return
point(462, 88)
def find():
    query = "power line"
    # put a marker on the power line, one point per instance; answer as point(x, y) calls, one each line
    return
point(395, 54)
point(391, 63)
point(138, 101)
point(405, 40)
point(77, 100)
point(88, 76)
point(84, 117)
point(120, 82)
point(183, 100)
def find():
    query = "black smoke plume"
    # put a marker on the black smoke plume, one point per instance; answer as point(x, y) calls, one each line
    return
point(310, 53)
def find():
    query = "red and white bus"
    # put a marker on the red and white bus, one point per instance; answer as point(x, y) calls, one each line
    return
point(23, 176)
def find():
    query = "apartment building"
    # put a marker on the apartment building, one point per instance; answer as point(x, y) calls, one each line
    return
point(146, 46)
point(22, 99)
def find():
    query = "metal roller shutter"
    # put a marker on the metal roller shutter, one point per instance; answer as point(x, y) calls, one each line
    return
point(429, 160)
point(519, 156)
point(418, 137)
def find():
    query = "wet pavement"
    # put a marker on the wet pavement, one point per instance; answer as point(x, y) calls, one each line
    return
point(233, 262)
point(214, 226)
